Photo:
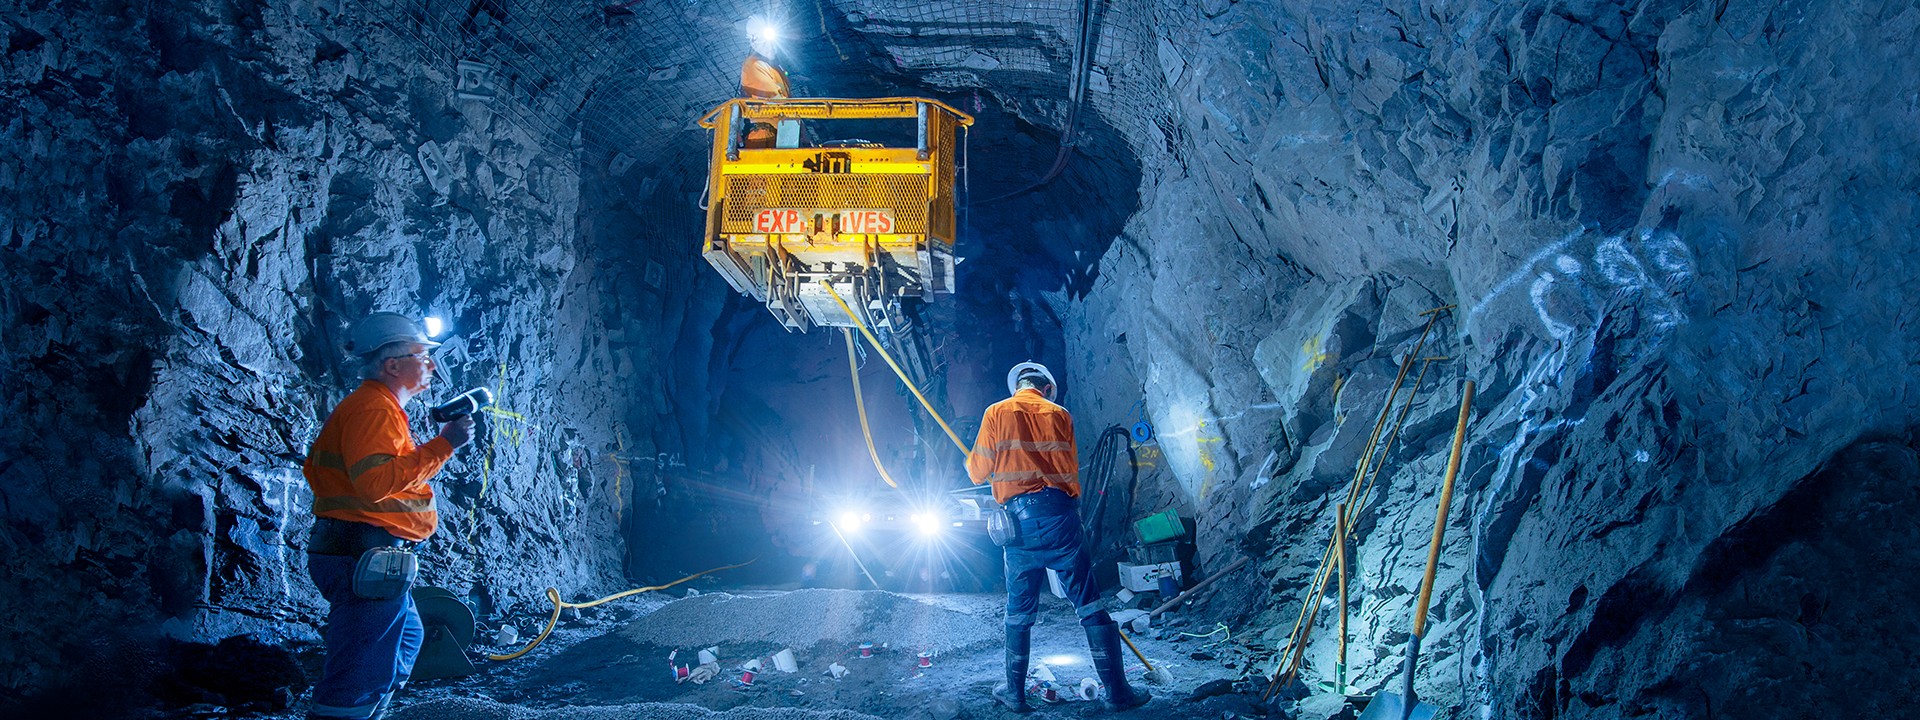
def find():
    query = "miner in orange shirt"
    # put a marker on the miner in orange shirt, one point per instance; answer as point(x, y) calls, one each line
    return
point(761, 79)
point(370, 491)
point(1026, 450)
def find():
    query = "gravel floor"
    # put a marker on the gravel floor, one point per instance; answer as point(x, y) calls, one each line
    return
point(805, 618)
point(615, 665)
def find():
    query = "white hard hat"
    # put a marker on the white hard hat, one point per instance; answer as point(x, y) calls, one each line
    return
point(379, 329)
point(1031, 369)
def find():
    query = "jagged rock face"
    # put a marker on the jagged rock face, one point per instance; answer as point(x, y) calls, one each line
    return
point(201, 198)
point(1676, 238)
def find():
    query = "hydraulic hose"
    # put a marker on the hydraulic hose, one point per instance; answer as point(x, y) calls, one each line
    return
point(853, 367)
point(875, 342)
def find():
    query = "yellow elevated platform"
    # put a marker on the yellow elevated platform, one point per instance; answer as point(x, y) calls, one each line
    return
point(876, 221)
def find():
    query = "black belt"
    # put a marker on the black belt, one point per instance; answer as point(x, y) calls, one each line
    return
point(1045, 502)
point(342, 537)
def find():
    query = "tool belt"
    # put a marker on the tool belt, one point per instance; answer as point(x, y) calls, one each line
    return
point(386, 567)
point(1045, 502)
point(1003, 523)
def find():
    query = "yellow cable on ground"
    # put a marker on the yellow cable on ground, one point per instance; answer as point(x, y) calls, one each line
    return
point(554, 595)
point(896, 367)
point(854, 369)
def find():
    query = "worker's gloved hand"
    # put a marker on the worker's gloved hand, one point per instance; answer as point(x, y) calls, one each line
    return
point(459, 431)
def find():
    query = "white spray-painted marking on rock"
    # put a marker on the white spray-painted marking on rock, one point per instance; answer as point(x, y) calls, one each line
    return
point(1647, 275)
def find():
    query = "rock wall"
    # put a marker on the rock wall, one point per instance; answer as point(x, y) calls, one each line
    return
point(1677, 239)
point(201, 198)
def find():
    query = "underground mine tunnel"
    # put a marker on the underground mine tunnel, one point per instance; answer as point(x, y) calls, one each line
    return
point(1546, 358)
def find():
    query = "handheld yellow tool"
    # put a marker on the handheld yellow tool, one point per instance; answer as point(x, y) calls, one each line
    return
point(1405, 706)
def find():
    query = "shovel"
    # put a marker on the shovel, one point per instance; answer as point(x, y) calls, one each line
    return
point(1159, 675)
point(1386, 705)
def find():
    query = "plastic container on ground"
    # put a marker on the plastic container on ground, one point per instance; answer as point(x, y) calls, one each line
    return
point(1146, 578)
point(1159, 527)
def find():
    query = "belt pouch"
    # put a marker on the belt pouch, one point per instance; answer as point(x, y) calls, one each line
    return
point(383, 573)
point(1003, 528)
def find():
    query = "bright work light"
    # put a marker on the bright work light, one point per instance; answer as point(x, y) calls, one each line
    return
point(929, 524)
point(435, 326)
point(849, 520)
point(763, 32)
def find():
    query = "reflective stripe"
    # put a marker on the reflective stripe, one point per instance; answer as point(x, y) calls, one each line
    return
point(1033, 445)
point(358, 712)
point(1012, 476)
point(367, 463)
point(391, 505)
point(329, 460)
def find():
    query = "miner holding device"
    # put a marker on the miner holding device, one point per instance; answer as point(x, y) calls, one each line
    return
point(371, 502)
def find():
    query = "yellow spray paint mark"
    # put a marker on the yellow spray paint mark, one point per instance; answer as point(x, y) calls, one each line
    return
point(495, 431)
point(1147, 457)
point(1203, 442)
point(1313, 353)
point(497, 412)
point(619, 473)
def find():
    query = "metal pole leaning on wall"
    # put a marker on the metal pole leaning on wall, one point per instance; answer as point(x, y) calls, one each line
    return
point(1309, 609)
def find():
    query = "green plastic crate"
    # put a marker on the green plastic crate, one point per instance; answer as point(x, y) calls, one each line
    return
point(1159, 527)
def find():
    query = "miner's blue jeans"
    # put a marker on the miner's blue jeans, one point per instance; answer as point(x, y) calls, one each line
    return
point(1050, 534)
point(371, 644)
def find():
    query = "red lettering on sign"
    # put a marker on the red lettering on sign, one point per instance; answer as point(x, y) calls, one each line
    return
point(866, 221)
point(777, 221)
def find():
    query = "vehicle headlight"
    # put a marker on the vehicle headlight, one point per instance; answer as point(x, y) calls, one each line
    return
point(851, 519)
point(929, 524)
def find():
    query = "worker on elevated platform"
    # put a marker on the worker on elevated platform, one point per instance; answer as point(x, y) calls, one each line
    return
point(1026, 450)
point(761, 79)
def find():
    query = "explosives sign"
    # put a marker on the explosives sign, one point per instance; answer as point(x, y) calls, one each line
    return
point(772, 220)
point(866, 221)
point(787, 221)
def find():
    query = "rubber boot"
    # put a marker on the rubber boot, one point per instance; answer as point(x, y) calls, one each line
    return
point(1013, 691)
point(1104, 642)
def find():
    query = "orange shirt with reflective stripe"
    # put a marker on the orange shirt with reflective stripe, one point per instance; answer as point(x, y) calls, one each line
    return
point(365, 468)
point(1025, 444)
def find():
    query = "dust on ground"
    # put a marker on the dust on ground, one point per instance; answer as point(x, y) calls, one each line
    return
point(616, 665)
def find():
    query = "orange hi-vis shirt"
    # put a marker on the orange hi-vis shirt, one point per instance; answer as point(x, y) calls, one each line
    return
point(1025, 444)
point(365, 468)
point(762, 79)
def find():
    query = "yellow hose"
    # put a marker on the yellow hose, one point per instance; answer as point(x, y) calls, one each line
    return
point(896, 367)
point(853, 368)
point(554, 595)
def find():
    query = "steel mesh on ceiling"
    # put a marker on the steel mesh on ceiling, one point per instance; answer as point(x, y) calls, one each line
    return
point(633, 75)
